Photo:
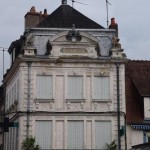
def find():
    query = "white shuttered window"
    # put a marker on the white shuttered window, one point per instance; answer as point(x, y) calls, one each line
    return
point(43, 134)
point(75, 87)
point(102, 134)
point(101, 88)
point(44, 87)
point(75, 135)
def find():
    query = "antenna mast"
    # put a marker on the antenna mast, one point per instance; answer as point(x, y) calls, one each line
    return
point(107, 12)
point(73, 1)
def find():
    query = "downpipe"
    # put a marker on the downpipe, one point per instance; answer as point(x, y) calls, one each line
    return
point(28, 98)
point(118, 105)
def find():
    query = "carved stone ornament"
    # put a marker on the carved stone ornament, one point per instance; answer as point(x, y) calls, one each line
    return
point(48, 48)
point(51, 105)
point(73, 35)
point(104, 72)
point(101, 106)
point(37, 105)
point(29, 51)
point(115, 42)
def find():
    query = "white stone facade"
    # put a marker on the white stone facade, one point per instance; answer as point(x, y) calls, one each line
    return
point(94, 116)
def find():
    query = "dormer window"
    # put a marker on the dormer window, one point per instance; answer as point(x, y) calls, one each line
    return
point(12, 56)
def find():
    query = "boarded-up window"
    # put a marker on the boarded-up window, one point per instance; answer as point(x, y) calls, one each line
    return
point(75, 87)
point(43, 134)
point(44, 87)
point(101, 88)
point(102, 134)
point(75, 135)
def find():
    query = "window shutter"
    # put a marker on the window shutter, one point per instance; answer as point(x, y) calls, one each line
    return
point(75, 135)
point(44, 87)
point(101, 88)
point(75, 87)
point(43, 134)
point(102, 134)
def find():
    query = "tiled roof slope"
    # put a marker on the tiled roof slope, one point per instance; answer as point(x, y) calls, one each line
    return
point(137, 81)
point(64, 16)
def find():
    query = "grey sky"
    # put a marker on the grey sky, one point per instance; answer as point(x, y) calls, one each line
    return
point(131, 16)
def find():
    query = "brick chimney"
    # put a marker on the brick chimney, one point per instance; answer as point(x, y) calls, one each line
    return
point(114, 25)
point(33, 18)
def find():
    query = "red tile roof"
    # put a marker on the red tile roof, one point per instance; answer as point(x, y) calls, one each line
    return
point(137, 81)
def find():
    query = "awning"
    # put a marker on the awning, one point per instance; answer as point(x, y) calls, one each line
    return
point(141, 127)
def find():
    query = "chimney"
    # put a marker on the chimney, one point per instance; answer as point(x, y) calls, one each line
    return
point(114, 25)
point(64, 2)
point(33, 18)
point(33, 9)
point(45, 11)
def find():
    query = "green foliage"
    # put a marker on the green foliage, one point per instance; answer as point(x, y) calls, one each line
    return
point(112, 146)
point(29, 144)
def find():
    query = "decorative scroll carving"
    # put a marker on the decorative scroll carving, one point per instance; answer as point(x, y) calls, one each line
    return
point(102, 72)
point(102, 106)
point(51, 105)
point(48, 48)
point(115, 42)
point(73, 35)
point(75, 106)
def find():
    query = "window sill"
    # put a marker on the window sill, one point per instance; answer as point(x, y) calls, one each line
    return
point(44, 100)
point(102, 100)
point(75, 100)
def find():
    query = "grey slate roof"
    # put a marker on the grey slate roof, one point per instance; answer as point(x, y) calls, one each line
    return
point(64, 16)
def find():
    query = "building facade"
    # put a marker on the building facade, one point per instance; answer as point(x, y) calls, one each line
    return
point(66, 84)
point(1, 115)
point(138, 104)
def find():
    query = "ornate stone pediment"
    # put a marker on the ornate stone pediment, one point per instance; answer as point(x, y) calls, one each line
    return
point(62, 45)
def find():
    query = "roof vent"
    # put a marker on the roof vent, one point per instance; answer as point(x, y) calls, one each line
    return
point(64, 2)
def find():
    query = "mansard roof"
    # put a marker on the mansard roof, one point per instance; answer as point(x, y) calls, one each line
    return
point(65, 16)
point(137, 86)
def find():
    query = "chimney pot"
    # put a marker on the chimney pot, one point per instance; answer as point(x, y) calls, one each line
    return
point(64, 2)
point(114, 25)
point(32, 9)
point(45, 11)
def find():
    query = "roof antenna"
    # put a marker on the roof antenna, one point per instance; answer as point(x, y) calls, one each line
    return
point(73, 1)
point(107, 2)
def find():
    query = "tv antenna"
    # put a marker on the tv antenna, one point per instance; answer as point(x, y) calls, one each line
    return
point(74, 1)
point(107, 3)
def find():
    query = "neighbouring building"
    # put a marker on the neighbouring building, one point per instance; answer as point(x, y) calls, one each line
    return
point(138, 104)
point(66, 83)
point(1, 115)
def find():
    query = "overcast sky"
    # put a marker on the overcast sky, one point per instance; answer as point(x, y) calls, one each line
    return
point(131, 16)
